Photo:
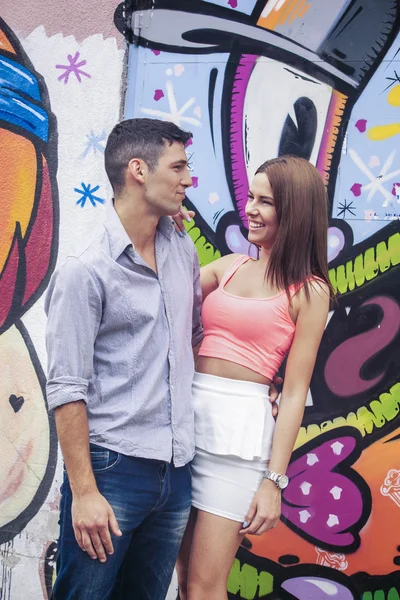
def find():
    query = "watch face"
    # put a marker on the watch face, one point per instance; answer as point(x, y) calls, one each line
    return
point(283, 481)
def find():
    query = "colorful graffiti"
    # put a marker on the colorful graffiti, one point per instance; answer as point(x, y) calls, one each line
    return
point(28, 242)
point(35, 230)
point(258, 79)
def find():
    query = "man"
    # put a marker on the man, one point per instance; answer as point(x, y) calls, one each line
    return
point(123, 315)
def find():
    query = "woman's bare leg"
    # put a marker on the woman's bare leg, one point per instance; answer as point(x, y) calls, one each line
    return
point(214, 545)
point(182, 564)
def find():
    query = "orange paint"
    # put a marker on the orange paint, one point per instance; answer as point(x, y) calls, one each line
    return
point(333, 122)
point(287, 12)
point(5, 43)
point(18, 173)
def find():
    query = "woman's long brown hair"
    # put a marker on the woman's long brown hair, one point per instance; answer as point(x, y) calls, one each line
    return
point(300, 249)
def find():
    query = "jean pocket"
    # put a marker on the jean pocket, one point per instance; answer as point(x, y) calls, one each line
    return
point(104, 460)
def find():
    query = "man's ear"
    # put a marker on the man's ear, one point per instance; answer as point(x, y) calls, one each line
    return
point(137, 169)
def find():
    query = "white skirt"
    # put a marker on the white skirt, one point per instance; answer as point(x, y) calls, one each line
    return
point(233, 430)
point(225, 485)
point(232, 417)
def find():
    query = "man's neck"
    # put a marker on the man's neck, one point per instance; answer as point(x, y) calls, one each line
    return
point(138, 224)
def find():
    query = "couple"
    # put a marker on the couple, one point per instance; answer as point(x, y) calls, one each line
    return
point(123, 316)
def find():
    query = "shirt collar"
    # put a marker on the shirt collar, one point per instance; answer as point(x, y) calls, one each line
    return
point(119, 239)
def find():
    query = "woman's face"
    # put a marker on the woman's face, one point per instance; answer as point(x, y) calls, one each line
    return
point(261, 212)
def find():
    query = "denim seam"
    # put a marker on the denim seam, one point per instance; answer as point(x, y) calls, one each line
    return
point(108, 467)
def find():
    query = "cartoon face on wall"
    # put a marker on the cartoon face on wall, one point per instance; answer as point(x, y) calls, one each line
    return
point(28, 239)
point(265, 79)
point(258, 79)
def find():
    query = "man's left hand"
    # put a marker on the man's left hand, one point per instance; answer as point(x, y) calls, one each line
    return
point(274, 394)
point(183, 215)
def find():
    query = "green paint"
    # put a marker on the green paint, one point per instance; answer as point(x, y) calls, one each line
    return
point(266, 582)
point(366, 420)
point(367, 596)
point(206, 251)
point(366, 266)
point(393, 594)
point(246, 580)
point(234, 577)
point(379, 595)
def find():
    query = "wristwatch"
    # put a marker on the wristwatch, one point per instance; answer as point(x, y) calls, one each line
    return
point(281, 481)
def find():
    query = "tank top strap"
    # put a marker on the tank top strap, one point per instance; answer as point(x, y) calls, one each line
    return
point(294, 288)
point(232, 269)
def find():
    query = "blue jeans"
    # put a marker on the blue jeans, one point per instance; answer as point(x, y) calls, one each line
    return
point(151, 500)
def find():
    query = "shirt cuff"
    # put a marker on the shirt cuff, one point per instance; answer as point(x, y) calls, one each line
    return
point(63, 390)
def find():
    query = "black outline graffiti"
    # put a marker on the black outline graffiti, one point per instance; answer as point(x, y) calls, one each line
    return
point(49, 151)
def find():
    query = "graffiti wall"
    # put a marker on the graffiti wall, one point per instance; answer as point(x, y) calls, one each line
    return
point(60, 95)
point(252, 80)
point(320, 79)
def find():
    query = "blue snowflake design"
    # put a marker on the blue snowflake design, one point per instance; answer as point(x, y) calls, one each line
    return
point(94, 143)
point(87, 193)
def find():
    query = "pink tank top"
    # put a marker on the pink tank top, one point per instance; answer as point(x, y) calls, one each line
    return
point(253, 332)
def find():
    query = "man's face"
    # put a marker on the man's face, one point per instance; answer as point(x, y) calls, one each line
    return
point(165, 186)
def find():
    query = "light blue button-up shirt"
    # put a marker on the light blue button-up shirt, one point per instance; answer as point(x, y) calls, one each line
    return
point(120, 338)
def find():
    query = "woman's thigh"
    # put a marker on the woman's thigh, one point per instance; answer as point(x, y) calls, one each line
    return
point(214, 544)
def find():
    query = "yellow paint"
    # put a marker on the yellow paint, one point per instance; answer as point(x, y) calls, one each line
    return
point(383, 132)
point(18, 172)
point(394, 96)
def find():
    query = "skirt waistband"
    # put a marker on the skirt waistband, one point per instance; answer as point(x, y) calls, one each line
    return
point(224, 385)
point(232, 417)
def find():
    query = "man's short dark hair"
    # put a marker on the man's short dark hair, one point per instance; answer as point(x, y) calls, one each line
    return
point(138, 138)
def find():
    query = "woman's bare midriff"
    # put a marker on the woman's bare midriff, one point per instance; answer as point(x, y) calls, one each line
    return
point(228, 369)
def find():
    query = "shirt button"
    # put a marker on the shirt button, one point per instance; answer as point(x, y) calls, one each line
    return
point(172, 387)
point(131, 250)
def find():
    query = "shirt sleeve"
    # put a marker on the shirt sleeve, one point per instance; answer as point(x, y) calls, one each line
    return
point(74, 308)
point(197, 328)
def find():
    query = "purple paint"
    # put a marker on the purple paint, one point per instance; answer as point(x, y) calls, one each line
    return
point(239, 173)
point(158, 94)
point(189, 143)
point(73, 67)
point(156, 52)
point(342, 369)
point(361, 125)
point(318, 492)
point(236, 241)
point(195, 182)
point(356, 189)
point(316, 588)
point(233, 3)
point(335, 242)
point(394, 191)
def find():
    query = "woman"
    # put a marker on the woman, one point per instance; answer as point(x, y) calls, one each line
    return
point(255, 312)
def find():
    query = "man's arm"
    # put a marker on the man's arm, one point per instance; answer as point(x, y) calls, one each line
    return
point(74, 309)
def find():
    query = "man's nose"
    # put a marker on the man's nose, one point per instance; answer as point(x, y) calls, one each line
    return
point(187, 180)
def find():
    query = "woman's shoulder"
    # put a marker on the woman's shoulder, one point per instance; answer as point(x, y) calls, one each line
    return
point(221, 265)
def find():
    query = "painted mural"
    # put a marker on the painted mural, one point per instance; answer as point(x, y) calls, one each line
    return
point(28, 242)
point(319, 79)
point(53, 190)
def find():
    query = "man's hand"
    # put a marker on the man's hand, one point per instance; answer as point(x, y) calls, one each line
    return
point(183, 215)
point(274, 394)
point(92, 520)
